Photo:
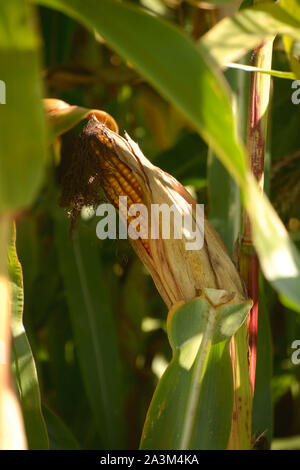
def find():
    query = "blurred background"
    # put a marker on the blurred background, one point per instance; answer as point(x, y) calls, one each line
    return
point(95, 321)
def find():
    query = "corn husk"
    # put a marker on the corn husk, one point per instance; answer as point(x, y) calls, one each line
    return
point(178, 273)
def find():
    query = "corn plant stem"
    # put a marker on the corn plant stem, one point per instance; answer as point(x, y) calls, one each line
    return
point(246, 338)
point(196, 382)
point(256, 146)
point(240, 435)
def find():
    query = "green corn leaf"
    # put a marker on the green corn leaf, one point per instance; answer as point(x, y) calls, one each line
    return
point(22, 130)
point(287, 443)
point(94, 327)
point(23, 362)
point(293, 9)
point(273, 73)
point(279, 257)
point(66, 119)
point(233, 36)
point(60, 436)
point(192, 405)
point(224, 202)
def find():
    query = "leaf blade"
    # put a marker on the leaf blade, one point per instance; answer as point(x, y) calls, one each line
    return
point(186, 411)
point(23, 361)
point(233, 36)
point(94, 328)
point(21, 166)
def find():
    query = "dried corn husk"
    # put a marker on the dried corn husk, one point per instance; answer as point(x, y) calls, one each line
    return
point(178, 273)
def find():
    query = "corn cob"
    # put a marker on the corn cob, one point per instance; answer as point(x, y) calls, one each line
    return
point(122, 170)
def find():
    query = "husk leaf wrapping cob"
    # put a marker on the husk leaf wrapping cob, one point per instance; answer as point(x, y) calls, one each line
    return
point(117, 164)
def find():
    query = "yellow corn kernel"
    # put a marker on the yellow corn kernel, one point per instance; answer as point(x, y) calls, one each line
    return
point(118, 180)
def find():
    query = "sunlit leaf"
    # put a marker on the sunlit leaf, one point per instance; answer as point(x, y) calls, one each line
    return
point(22, 130)
point(23, 361)
point(233, 36)
point(187, 411)
point(279, 258)
point(273, 73)
point(287, 443)
point(62, 116)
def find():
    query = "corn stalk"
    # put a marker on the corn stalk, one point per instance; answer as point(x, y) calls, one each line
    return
point(256, 146)
point(249, 268)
